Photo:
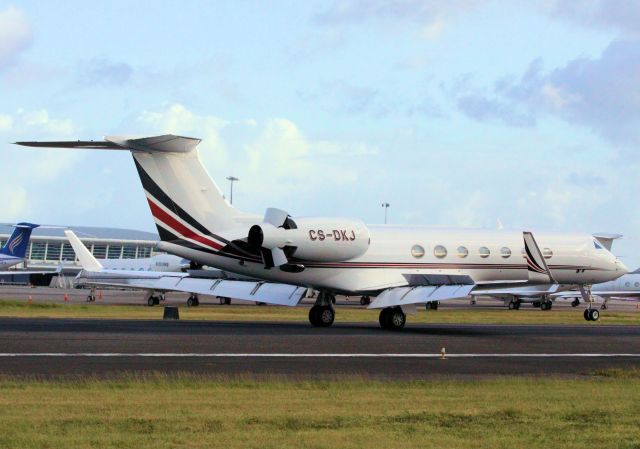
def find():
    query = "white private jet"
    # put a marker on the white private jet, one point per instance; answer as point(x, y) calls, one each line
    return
point(401, 265)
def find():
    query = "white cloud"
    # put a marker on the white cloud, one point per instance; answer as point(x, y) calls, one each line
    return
point(6, 122)
point(15, 35)
point(273, 158)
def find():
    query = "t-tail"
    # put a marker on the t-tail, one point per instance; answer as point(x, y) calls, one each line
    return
point(187, 205)
point(18, 243)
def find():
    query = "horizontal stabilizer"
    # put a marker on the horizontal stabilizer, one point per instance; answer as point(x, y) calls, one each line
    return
point(167, 143)
point(606, 239)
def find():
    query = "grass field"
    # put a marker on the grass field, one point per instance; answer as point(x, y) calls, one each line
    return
point(478, 315)
point(190, 412)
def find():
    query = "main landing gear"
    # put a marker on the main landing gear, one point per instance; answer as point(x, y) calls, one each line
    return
point(92, 295)
point(365, 300)
point(154, 300)
point(514, 304)
point(224, 300)
point(322, 313)
point(193, 301)
point(591, 314)
point(392, 318)
point(432, 305)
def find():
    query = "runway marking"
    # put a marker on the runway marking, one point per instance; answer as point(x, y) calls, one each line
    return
point(308, 355)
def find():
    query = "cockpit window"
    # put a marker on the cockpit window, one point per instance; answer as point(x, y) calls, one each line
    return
point(597, 245)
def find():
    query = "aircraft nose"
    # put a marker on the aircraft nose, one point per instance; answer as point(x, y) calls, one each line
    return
point(621, 268)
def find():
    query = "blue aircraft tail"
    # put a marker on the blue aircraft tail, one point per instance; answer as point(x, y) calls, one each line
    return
point(18, 243)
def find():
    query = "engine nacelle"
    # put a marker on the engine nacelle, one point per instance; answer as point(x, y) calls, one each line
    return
point(315, 239)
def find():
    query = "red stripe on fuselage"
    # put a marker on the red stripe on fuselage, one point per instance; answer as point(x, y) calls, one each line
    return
point(178, 227)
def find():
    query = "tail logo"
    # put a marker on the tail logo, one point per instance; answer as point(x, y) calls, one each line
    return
point(15, 243)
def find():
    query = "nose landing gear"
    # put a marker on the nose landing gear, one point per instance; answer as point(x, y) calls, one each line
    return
point(590, 313)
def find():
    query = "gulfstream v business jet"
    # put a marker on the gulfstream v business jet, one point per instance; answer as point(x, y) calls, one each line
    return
point(402, 266)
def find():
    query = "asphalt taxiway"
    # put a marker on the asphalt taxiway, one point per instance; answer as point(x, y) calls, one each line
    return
point(103, 348)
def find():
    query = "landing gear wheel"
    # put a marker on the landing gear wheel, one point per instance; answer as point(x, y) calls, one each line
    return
point(91, 298)
point(594, 315)
point(432, 305)
point(586, 314)
point(603, 307)
point(224, 300)
point(193, 301)
point(321, 316)
point(151, 301)
point(365, 300)
point(575, 303)
point(392, 318)
point(156, 300)
point(512, 305)
point(517, 304)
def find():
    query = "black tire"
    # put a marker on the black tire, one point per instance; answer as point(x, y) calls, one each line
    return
point(575, 303)
point(157, 301)
point(512, 305)
point(384, 318)
point(191, 302)
point(227, 301)
point(435, 305)
point(151, 301)
point(365, 300)
point(536, 304)
point(312, 316)
point(603, 307)
point(396, 319)
point(517, 305)
point(586, 315)
point(326, 316)
point(594, 315)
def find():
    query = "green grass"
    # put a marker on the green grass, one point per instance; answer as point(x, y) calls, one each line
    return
point(478, 315)
point(157, 411)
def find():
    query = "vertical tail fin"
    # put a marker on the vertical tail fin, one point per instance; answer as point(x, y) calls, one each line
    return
point(87, 261)
point(18, 243)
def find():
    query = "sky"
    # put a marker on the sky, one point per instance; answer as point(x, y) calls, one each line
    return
point(457, 113)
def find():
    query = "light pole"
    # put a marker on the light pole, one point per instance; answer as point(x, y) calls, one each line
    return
point(386, 206)
point(231, 179)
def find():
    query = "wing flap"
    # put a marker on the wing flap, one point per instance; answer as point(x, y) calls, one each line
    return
point(405, 296)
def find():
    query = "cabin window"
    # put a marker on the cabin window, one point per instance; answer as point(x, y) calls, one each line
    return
point(547, 253)
point(462, 252)
point(417, 251)
point(440, 251)
point(484, 252)
point(505, 252)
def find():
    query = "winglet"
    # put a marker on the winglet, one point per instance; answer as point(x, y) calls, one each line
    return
point(87, 260)
point(536, 265)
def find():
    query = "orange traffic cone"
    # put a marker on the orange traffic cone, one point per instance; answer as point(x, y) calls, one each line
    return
point(66, 297)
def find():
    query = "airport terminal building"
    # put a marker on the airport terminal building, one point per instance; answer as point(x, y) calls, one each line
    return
point(49, 246)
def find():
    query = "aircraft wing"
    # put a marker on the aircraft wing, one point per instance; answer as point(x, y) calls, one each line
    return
point(525, 290)
point(267, 292)
point(408, 297)
point(94, 274)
